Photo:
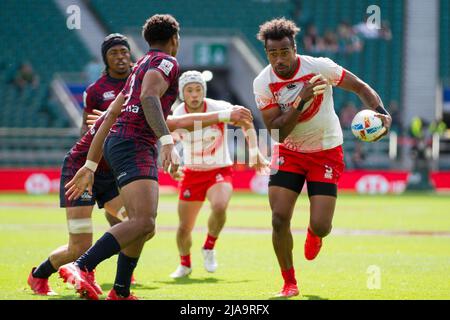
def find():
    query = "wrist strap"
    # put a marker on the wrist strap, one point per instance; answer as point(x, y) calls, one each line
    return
point(91, 165)
point(299, 103)
point(225, 116)
point(166, 139)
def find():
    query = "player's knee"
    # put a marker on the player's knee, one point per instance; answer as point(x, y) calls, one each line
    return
point(150, 235)
point(219, 208)
point(280, 222)
point(321, 229)
point(184, 230)
point(146, 226)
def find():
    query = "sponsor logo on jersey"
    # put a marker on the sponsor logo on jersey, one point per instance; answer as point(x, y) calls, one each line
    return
point(219, 178)
point(328, 172)
point(133, 108)
point(187, 194)
point(109, 95)
point(280, 161)
point(165, 66)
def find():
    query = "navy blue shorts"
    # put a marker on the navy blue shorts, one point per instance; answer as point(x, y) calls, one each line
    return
point(105, 189)
point(131, 160)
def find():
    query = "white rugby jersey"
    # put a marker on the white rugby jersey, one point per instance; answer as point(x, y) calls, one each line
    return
point(207, 148)
point(318, 125)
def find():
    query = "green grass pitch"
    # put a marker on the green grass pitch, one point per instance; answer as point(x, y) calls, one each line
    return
point(381, 247)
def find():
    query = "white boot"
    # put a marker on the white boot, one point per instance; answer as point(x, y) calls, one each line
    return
point(182, 271)
point(209, 262)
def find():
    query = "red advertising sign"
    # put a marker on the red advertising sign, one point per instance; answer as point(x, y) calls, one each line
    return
point(42, 181)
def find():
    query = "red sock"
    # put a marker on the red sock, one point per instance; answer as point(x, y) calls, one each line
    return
point(186, 260)
point(312, 233)
point(209, 242)
point(289, 276)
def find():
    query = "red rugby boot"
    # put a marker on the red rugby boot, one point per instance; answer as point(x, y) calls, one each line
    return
point(79, 279)
point(288, 290)
point(40, 286)
point(94, 284)
point(112, 295)
point(313, 244)
point(133, 280)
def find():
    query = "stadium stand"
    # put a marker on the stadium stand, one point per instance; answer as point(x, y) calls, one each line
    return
point(445, 40)
point(379, 63)
point(51, 47)
point(46, 42)
point(246, 15)
point(36, 33)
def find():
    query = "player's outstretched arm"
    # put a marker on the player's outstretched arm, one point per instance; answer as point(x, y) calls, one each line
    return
point(368, 96)
point(285, 122)
point(153, 88)
point(84, 178)
point(257, 160)
point(189, 122)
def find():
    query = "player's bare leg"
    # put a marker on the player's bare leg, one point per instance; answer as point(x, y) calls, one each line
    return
point(115, 213)
point(219, 196)
point(187, 214)
point(79, 220)
point(112, 220)
point(141, 201)
point(80, 239)
point(320, 223)
point(282, 202)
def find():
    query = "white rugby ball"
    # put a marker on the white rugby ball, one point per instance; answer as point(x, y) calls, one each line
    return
point(366, 126)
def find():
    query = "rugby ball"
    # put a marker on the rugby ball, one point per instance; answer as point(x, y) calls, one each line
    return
point(366, 126)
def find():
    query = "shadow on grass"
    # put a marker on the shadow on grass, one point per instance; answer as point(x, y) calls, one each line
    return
point(312, 297)
point(108, 286)
point(73, 296)
point(304, 297)
point(187, 280)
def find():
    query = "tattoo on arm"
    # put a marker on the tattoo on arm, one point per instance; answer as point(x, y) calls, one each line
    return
point(84, 127)
point(154, 115)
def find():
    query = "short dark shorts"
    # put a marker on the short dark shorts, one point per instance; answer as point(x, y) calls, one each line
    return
point(105, 189)
point(131, 160)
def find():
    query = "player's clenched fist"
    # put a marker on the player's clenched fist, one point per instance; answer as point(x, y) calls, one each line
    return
point(82, 181)
point(240, 115)
point(311, 88)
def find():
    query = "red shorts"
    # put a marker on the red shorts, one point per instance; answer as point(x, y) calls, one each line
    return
point(323, 166)
point(195, 184)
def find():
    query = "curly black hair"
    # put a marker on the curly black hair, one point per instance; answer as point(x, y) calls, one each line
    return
point(159, 28)
point(277, 29)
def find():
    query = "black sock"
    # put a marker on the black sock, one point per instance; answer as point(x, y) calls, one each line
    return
point(125, 268)
point(104, 248)
point(45, 270)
